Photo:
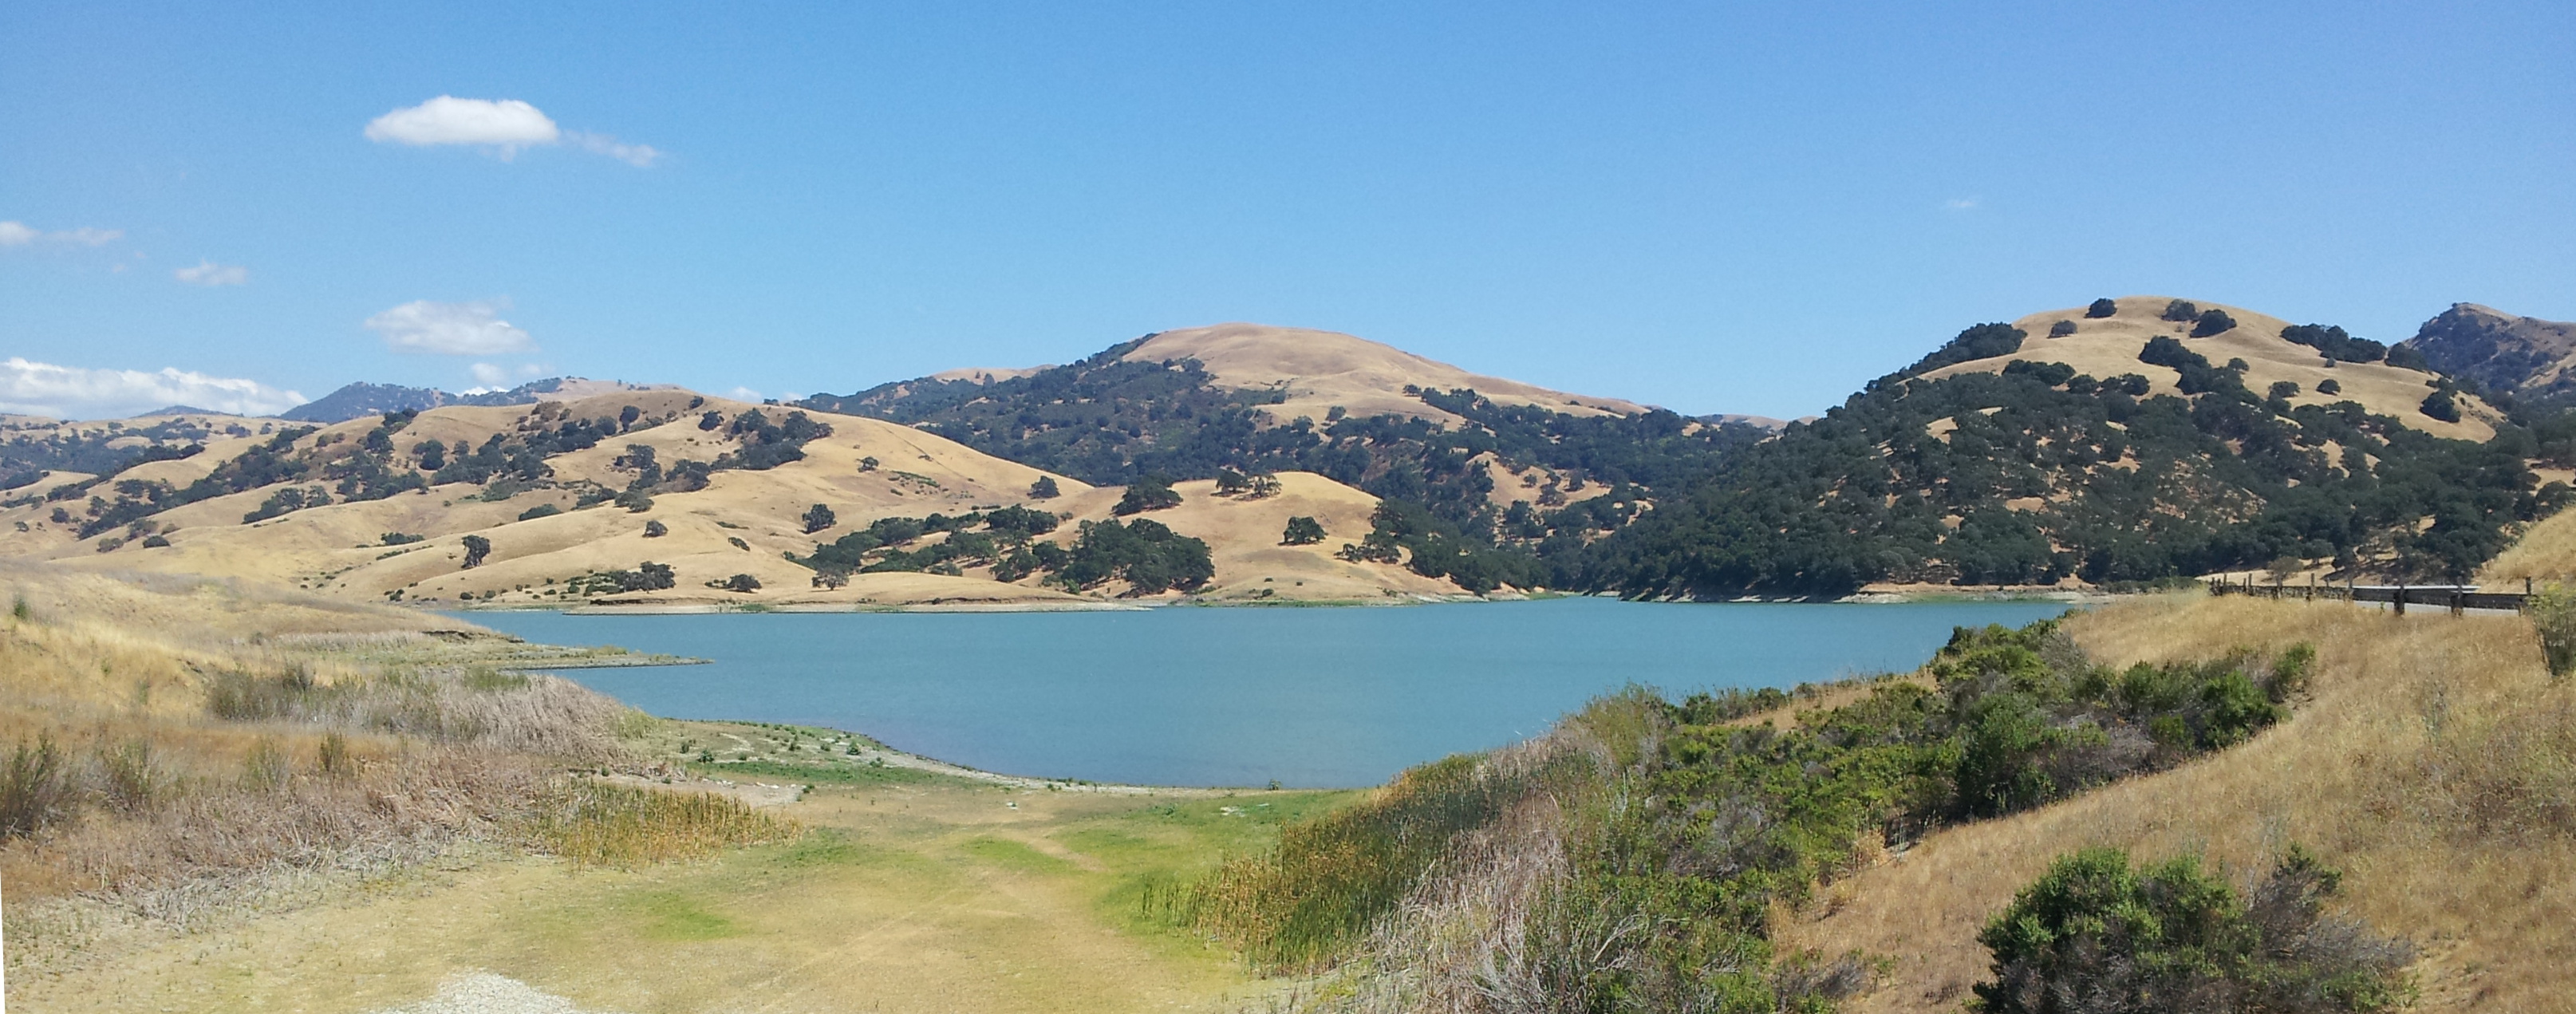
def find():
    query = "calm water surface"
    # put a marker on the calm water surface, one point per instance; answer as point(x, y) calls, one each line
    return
point(1209, 696)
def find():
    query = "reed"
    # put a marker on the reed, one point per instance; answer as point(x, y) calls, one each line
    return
point(593, 824)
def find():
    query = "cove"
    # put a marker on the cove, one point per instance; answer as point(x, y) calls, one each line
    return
point(1324, 698)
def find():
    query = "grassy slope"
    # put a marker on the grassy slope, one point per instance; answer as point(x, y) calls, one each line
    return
point(2106, 347)
point(931, 896)
point(2432, 765)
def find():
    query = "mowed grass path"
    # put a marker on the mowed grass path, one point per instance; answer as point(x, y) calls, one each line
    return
point(927, 896)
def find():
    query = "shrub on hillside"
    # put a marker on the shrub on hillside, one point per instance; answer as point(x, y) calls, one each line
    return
point(1302, 531)
point(35, 789)
point(2212, 322)
point(2181, 310)
point(1149, 493)
point(2332, 343)
point(2061, 329)
point(543, 510)
point(2102, 308)
point(2329, 386)
point(656, 529)
point(1148, 556)
point(2440, 405)
point(476, 548)
point(819, 517)
point(1044, 488)
point(2095, 934)
point(1983, 341)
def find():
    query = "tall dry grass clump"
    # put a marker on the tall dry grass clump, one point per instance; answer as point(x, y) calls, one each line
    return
point(591, 824)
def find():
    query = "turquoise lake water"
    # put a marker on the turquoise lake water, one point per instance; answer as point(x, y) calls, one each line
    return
point(1330, 697)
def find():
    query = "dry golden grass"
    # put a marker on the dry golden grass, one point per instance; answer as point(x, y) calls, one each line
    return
point(2436, 763)
point(1322, 369)
point(590, 824)
point(2109, 346)
point(2546, 552)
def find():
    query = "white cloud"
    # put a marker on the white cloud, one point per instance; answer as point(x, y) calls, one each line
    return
point(641, 156)
point(500, 126)
point(1964, 203)
point(71, 392)
point(504, 126)
point(489, 376)
point(14, 233)
point(209, 273)
point(453, 329)
point(743, 394)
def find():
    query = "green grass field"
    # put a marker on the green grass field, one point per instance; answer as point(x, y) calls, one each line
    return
point(911, 891)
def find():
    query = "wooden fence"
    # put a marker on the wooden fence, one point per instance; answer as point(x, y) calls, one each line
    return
point(2454, 597)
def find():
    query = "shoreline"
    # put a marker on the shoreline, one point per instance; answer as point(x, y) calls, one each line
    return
point(1865, 597)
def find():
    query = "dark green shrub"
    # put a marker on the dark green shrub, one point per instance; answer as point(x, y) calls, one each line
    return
point(1043, 489)
point(543, 510)
point(2181, 310)
point(819, 517)
point(2095, 934)
point(2329, 386)
point(2335, 345)
point(2061, 329)
point(2101, 308)
point(476, 549)
point(1302, 531)
point(1150, 493)
point(2284, 390)
point(2440, 405)
point(656, 529)
point(2212, 322)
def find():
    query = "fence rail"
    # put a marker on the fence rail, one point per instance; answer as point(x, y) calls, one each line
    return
point(2457, 598)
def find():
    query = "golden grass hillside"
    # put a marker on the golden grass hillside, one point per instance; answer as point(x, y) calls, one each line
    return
point(2436, 764)
point(1323, 369)
point(2109, 346)
point(744, 522)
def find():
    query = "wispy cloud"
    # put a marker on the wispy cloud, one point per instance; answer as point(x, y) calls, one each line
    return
point(210, 274)
point(493, 376)
point(641, 156)
point(16, 233)
point(453, 329)
point(501, 127)
point(71, 392)
point(1964, 203)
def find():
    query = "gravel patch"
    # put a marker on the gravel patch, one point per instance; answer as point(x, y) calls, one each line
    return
point(486, 993)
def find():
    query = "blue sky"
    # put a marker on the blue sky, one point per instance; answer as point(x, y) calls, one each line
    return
point(1711, 207)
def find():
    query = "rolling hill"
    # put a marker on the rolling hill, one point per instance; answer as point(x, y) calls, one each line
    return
point(2134, 440)
point(578, 501)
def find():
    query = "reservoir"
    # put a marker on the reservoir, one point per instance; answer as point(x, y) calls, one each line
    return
point(1327, 697)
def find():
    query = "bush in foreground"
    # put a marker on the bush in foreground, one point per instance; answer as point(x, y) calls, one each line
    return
point(2095, 934)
